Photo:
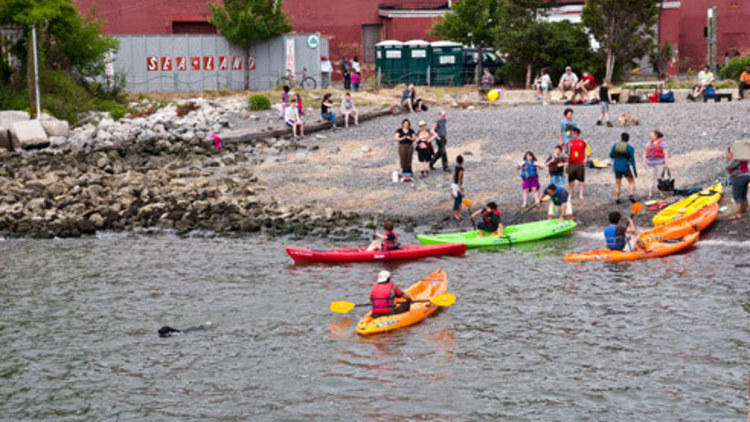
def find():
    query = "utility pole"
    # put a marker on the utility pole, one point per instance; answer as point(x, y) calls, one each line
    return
point(711, 53)
point(36, 74)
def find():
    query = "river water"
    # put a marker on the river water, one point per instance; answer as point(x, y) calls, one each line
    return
point(530, 337)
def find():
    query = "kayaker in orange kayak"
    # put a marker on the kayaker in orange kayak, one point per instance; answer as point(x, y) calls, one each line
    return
point(388, 240)
point(383, 295)
point(617, 234)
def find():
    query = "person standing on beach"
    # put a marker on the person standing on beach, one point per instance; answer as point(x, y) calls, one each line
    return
point(739, 174)
point(346, 72)
point(565, 134)
point(624, 160)
point(556, 165)
point(530, 177)
point(440, 132)
point(424, 149)
point(405, 137)
point(457, 188)
point(605, 100)
point(655, 158)
point(575, 150)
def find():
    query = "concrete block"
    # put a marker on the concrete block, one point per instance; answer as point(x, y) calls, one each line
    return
point(5, 138)
point(8, 117)
point(29, 134)
point(55, 127)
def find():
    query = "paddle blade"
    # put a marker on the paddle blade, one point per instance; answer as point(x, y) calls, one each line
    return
point(445, 299)
point(636, 208)
point(341, 307)
point(467, 203)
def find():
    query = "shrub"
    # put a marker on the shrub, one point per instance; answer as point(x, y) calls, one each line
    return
point(116, 110)
point(258, 102)
point(734, 68)
point(13, 100)
point(63, 96)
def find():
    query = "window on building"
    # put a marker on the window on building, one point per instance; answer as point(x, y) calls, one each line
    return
point(370, 37)
point(194, 27)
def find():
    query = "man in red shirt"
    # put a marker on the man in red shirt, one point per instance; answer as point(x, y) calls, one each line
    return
point(575, 151)
point(586, 84)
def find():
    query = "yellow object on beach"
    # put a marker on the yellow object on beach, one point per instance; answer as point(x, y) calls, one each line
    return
point(493, 95)
point(689, 205)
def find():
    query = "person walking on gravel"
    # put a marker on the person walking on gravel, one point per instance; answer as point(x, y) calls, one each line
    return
point(655, 158)
point(623, 155)
point(440, 132)
point(565, 134)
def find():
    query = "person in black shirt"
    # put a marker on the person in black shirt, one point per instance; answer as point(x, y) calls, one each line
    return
point(604, 99)
point(326, 110)
point(405, 137)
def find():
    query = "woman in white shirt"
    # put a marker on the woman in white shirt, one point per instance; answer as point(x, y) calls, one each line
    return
point(294, 121)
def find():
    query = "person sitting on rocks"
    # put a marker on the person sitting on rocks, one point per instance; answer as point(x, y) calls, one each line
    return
point(410, 100)
point(388, 240)
point(294, 121)
point(705, 82)
point(586, 84)
point(348, 109)
point(487, 80)
point(326, 110)
point(568, 81)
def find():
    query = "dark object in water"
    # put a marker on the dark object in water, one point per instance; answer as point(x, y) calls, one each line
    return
point(167, 331)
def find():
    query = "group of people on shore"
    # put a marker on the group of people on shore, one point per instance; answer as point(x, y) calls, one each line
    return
point(292, 111)
point(422, 140)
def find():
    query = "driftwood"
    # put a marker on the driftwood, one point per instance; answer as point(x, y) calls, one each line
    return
point(241, 137)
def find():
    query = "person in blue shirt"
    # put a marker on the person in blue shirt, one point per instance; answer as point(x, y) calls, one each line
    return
point(617, 234)
point(624, 161)
point(559, 197)
point(567, 124)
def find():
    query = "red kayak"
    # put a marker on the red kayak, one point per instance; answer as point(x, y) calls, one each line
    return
point(360, 254)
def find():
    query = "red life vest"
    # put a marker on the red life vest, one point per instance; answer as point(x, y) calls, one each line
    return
point(389, 245)
point(654, 149)
point(741, 168)
point(486, 216)
point(381, 297)
point(577, 151)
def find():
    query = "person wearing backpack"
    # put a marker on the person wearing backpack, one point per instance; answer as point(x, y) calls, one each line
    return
point(623, 155)
point(656, 159)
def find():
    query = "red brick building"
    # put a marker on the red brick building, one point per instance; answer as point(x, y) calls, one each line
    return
point(354, 26)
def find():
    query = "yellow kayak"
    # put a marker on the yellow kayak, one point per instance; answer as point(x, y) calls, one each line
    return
point(689, 205)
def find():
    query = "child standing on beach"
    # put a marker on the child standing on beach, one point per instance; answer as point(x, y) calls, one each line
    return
point(556, 165)
point(457, 190)
point(424, 148)
point(530, 177)
point(604, 99)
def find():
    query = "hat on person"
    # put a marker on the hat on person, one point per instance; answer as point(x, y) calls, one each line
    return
point(422, 123)
point(384, 276)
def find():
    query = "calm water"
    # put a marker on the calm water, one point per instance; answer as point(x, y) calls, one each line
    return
point(530, 338)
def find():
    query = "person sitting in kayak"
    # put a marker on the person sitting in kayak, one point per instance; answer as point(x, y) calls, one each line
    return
point(616, 234)
point(383, 295)
point(559, 197)
point(388, 242)
point(490, 220)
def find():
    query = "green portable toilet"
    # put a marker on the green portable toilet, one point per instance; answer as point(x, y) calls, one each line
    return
point(418, 61)
point(392, 61)
point(447, 63)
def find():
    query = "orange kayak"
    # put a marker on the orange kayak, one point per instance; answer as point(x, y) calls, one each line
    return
point(431, 286)
point(655, 249)
point(680, 227)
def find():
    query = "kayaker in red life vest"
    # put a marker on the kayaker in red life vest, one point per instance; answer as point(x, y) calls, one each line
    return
point(389, 239)
point(382, 296)
point(490, 220)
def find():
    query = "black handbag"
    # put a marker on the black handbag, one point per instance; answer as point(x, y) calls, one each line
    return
point(665, 183)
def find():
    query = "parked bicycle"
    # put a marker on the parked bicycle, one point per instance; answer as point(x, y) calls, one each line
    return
point(298, 78)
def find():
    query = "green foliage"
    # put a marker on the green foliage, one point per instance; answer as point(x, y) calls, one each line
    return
point(116, 110)
point(470, 22)
point(11, 99)
point(258, 102)
point(623, 28)
point(734, 68)
point(661, 56)
point(243, 22)
point(553, 45)
point(63, 96)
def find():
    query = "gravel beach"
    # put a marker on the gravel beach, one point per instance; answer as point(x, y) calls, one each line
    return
point(351, 169)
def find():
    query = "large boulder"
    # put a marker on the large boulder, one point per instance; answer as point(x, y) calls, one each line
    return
point(8, 117)
point(5, 138)
point(29, 134)
point(56, 127)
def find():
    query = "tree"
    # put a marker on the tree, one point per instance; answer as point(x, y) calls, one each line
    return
point(517, 23)
point(623, 28)
point(68, 43)
point(661, 56)
point(243, 22)
point(470, 22)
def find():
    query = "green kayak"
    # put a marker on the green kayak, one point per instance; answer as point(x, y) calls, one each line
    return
point(511, 234)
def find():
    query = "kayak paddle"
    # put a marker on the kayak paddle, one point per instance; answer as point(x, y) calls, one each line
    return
point(525, 210)
point(634, 209)
point(467, 203)
point(445, 299)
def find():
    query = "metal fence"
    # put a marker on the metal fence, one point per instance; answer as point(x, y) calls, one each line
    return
point(182, 63)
